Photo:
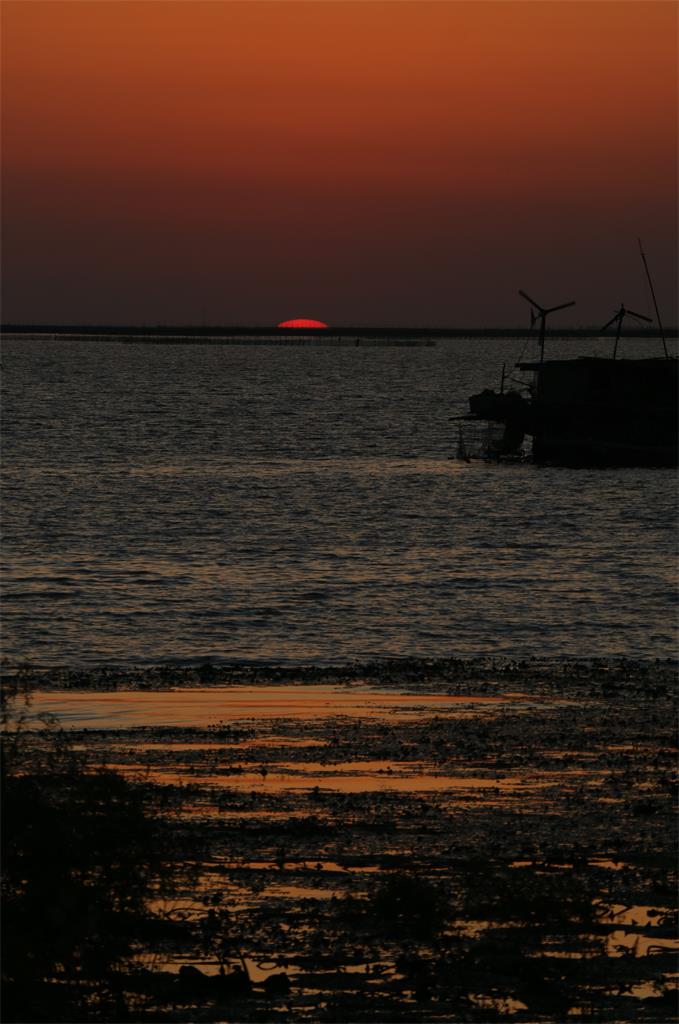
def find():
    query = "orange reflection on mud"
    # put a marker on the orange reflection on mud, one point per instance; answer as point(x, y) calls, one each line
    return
point(166, 746)
point(217, 705)
point(348, 777)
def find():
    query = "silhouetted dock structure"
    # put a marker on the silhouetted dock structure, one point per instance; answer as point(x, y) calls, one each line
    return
point(587, 411)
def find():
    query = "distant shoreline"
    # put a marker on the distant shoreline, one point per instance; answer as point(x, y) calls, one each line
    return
point(188, 332)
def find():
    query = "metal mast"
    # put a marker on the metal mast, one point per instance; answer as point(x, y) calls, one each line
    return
point(657, 311)
point(543, 314)
point(619, 317)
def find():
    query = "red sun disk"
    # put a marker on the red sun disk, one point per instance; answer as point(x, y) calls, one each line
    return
point(302, 322)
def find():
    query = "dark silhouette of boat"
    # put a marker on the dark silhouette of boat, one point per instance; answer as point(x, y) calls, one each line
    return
point(589, 411)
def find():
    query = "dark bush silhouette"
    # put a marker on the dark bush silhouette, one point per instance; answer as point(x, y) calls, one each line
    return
point(79, 852)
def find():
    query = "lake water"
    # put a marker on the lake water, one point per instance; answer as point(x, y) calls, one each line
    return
point(300, 504)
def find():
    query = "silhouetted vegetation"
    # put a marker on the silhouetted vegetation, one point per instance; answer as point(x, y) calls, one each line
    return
point(80, 855)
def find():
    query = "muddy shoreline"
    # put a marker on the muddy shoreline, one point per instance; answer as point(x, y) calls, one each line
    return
point(513, 858)
point(464, 673)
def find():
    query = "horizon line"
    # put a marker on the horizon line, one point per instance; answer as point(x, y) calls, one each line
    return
point(198, 330)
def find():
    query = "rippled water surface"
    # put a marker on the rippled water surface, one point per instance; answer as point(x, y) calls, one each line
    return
point(236, 502)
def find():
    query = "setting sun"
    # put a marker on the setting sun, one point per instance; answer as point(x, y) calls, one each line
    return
point(302, 322)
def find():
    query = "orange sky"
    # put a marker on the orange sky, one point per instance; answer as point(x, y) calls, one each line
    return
point(387, 162)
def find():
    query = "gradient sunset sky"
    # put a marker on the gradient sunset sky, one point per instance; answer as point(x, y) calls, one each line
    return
point(397, 163)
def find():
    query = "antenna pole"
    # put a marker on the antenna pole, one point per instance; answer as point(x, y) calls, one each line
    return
point(620, 317)
point(543, 318)
point(655, 303)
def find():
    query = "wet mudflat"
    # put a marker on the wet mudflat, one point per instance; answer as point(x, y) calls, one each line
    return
point(465, 845)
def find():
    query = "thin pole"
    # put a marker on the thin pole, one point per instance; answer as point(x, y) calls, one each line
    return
point(543, 318)
point(620, 318)
point(655, 303)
